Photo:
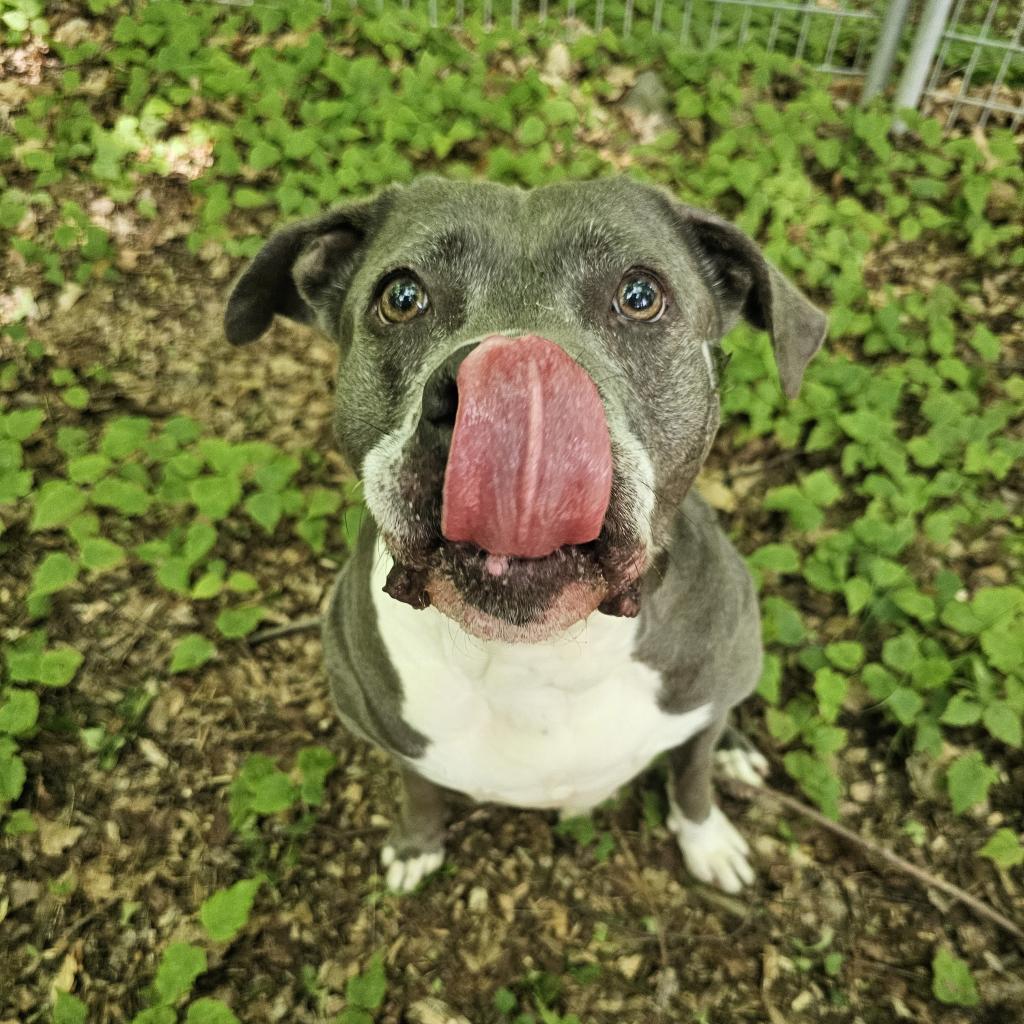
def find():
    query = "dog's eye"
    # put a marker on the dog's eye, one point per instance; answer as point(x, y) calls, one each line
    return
point(403, 299)
point(640, 297)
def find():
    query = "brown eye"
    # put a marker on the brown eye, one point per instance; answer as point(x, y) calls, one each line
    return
point(402, 300)
point(639, 297)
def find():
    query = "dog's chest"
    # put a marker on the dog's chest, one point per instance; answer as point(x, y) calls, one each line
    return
point(554, 725)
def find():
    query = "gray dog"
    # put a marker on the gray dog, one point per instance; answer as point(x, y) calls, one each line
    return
point(528, 387)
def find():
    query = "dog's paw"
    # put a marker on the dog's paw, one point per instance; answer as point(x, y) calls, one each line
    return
point(744, 764)
point(714, 852)
point(406, 870)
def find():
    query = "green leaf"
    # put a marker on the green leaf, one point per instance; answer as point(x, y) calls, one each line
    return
point(156, 1015)
point(830, 688)
point(208, 585)
point(313, 532)
point(226, 912)
point(985, 343)
point(354, 1015)
point(905, 704)
point(272, 793)
point(322, 502)
point(18, 711)
point(242, 582)
point(183, 429)
point(87, 469)
point(265, 509)
point(532, 131)
point(847, 655)
point(124, 496)
point(12, 771)
point(58, 666)
point(821, 488)
point(67, 1009)
point(180, 966)
point(239, 622)
point(367, 990)
point(315, 764)
point(816, 779)
point(124, 435)
point(274, 475)
point(969, 779)
point(199, 541)
point(1003, 644)
point(782, 622)
point(75, 397)
point(952, 982)
point(21, 424)
point(56, 502)
point(215, 496)
point(190, 652)
point(174, 574)
point(961, 710)
point(100, 554)
point(857, 592)
point(913, 602)
point(769, 686)
point(804, 514)
point(780, 558)
point(20, 823)
point(55, 572)
point(1004, 849)
point(504, 1001)
point(210, 1011)
point(1003, 723)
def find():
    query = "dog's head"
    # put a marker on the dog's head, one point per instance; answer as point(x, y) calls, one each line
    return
point(527, 381)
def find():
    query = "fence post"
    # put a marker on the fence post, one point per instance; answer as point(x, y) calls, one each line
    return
point(885, 52)
point(926, 42)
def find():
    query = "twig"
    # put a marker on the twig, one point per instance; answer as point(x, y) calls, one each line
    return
point(746, 468)
point(981, 908)
point(285, 629)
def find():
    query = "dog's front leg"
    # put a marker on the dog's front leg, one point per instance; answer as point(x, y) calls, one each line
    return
point(415, 847)
point(713, 850)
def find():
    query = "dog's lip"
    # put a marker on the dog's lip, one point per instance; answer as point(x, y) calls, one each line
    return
point(619, 566)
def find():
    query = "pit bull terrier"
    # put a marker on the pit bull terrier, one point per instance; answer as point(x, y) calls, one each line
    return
point(538, 604)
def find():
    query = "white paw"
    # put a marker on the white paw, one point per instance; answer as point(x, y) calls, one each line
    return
point(405, 873)
point(713, 850)
point(744, 765)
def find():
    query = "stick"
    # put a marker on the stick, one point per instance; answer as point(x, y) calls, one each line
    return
point(748, 792)
point(285, 629)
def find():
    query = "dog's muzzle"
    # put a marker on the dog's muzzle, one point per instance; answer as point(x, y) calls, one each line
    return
point(529, 465)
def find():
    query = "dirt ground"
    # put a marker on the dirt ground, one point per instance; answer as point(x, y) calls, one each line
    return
point(128, 852)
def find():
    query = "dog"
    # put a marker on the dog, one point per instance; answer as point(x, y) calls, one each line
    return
point(538, 604)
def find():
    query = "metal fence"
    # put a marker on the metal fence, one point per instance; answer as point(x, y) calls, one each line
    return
point(960, 58)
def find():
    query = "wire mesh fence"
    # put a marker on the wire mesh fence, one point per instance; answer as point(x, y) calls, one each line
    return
point(978, 71)
point(963, 58)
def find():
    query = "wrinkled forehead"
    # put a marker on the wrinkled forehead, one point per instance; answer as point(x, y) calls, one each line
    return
point(591, 225)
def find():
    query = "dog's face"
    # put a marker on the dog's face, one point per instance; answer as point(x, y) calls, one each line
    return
point(527, 381)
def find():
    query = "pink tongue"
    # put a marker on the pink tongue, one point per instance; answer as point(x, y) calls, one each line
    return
point(530, 465)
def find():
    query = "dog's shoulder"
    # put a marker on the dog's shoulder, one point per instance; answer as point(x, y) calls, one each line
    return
point(700, 622)
point(363, 681)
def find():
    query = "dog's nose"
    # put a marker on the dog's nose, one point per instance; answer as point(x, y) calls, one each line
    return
point(441, 399)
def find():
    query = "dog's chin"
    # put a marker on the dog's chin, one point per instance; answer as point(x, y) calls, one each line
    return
point(519, 600)
point(573, 604)
point(516, 600)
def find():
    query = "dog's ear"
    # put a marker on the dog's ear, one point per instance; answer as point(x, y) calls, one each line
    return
point(747, 285)
point(291, 273)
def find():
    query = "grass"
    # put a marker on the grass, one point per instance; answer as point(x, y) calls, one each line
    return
point(888, 552)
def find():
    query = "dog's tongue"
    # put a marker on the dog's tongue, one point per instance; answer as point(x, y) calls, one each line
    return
point(530, 465)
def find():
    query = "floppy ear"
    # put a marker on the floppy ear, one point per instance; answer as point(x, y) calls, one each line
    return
point(292, 272)
point(747, 285)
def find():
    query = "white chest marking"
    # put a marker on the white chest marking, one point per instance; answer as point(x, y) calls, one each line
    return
point(561, 724)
